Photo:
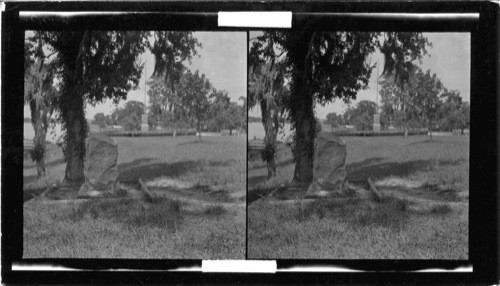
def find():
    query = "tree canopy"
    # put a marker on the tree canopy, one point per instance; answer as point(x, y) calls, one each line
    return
point(195, 91)
point(424, 101)
point(322, 66)
point(95, 65)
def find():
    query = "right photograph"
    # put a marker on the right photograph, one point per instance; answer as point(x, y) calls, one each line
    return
point(358, 145)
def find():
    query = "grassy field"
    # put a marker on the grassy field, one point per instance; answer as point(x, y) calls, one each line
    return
point(394, 228)
point(163, 228)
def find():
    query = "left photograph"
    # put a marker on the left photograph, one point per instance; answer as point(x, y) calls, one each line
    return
point(135, 144)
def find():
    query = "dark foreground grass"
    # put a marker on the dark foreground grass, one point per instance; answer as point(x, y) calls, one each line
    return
point(136, 229)
point(393, 228)
point(133, 229)
point(356, 229)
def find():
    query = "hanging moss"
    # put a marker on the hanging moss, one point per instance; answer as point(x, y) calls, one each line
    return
point(268, 152)
point(37, 153)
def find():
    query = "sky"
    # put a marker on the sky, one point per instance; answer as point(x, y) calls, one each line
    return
point(449, 58)
point(222, 59)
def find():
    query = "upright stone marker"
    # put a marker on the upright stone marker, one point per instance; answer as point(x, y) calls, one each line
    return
point(144, 123)
point(376, 122)
point(329, 173)
point(101, 169)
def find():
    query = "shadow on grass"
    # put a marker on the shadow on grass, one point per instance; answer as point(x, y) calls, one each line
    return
point(29, 179)
point(389, 212)
point(196, 142)
point(261, 164)
point(161, 212)
point(143, 168)
point(32, 164)
point(428, 141)
point(253, 181)
point(257, 193)
point(373, 168)
point(227, 163)
point(28, 194)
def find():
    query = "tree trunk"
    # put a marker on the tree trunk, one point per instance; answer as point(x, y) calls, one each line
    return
point(39, 140)
point(40, 111)
point(304, 143)
point(76, 132)
point(269, 138)
point(39, 116)
point(302, 108)
point(72, 105)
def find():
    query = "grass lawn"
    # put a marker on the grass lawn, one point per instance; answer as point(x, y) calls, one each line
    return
point(163, 228)
point(394, 228)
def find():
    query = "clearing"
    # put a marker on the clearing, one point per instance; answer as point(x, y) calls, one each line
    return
point(423, 212)
point(201, 215)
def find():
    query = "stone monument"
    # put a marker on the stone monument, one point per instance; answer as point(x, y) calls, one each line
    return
point(376, 122)
point(329, 172)
point(144, 123)
point(101, 169)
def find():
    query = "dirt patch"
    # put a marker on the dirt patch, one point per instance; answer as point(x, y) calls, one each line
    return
point(292, 192)
point(70, 192)
point(159, 187)
point(196, 193)
point(297, 192)
point(190, 191)
point(396, 187)
point(164, 182)
point(422, 193)
point(398, 182)
point(411, 188)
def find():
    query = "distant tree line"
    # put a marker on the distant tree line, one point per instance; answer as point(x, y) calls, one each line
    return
point(196, 104)
point(254, 119)
point(422, 102)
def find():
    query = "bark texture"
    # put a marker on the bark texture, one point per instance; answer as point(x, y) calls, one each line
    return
point(302, 112)
point(270, 122)
point(72, 106)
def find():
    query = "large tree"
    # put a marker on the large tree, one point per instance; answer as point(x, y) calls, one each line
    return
point(171, 49)
point(195, 91)
point(266, 79)
point(158, 102)
point(39, 94)
point(91, 66)
point(419, 99)
point(230, 118)
point(424, 90)
point(397, 107)
point(322, 66)
point(454, 113)
point(97, 65)
point(165, 106)
point(219, 102)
